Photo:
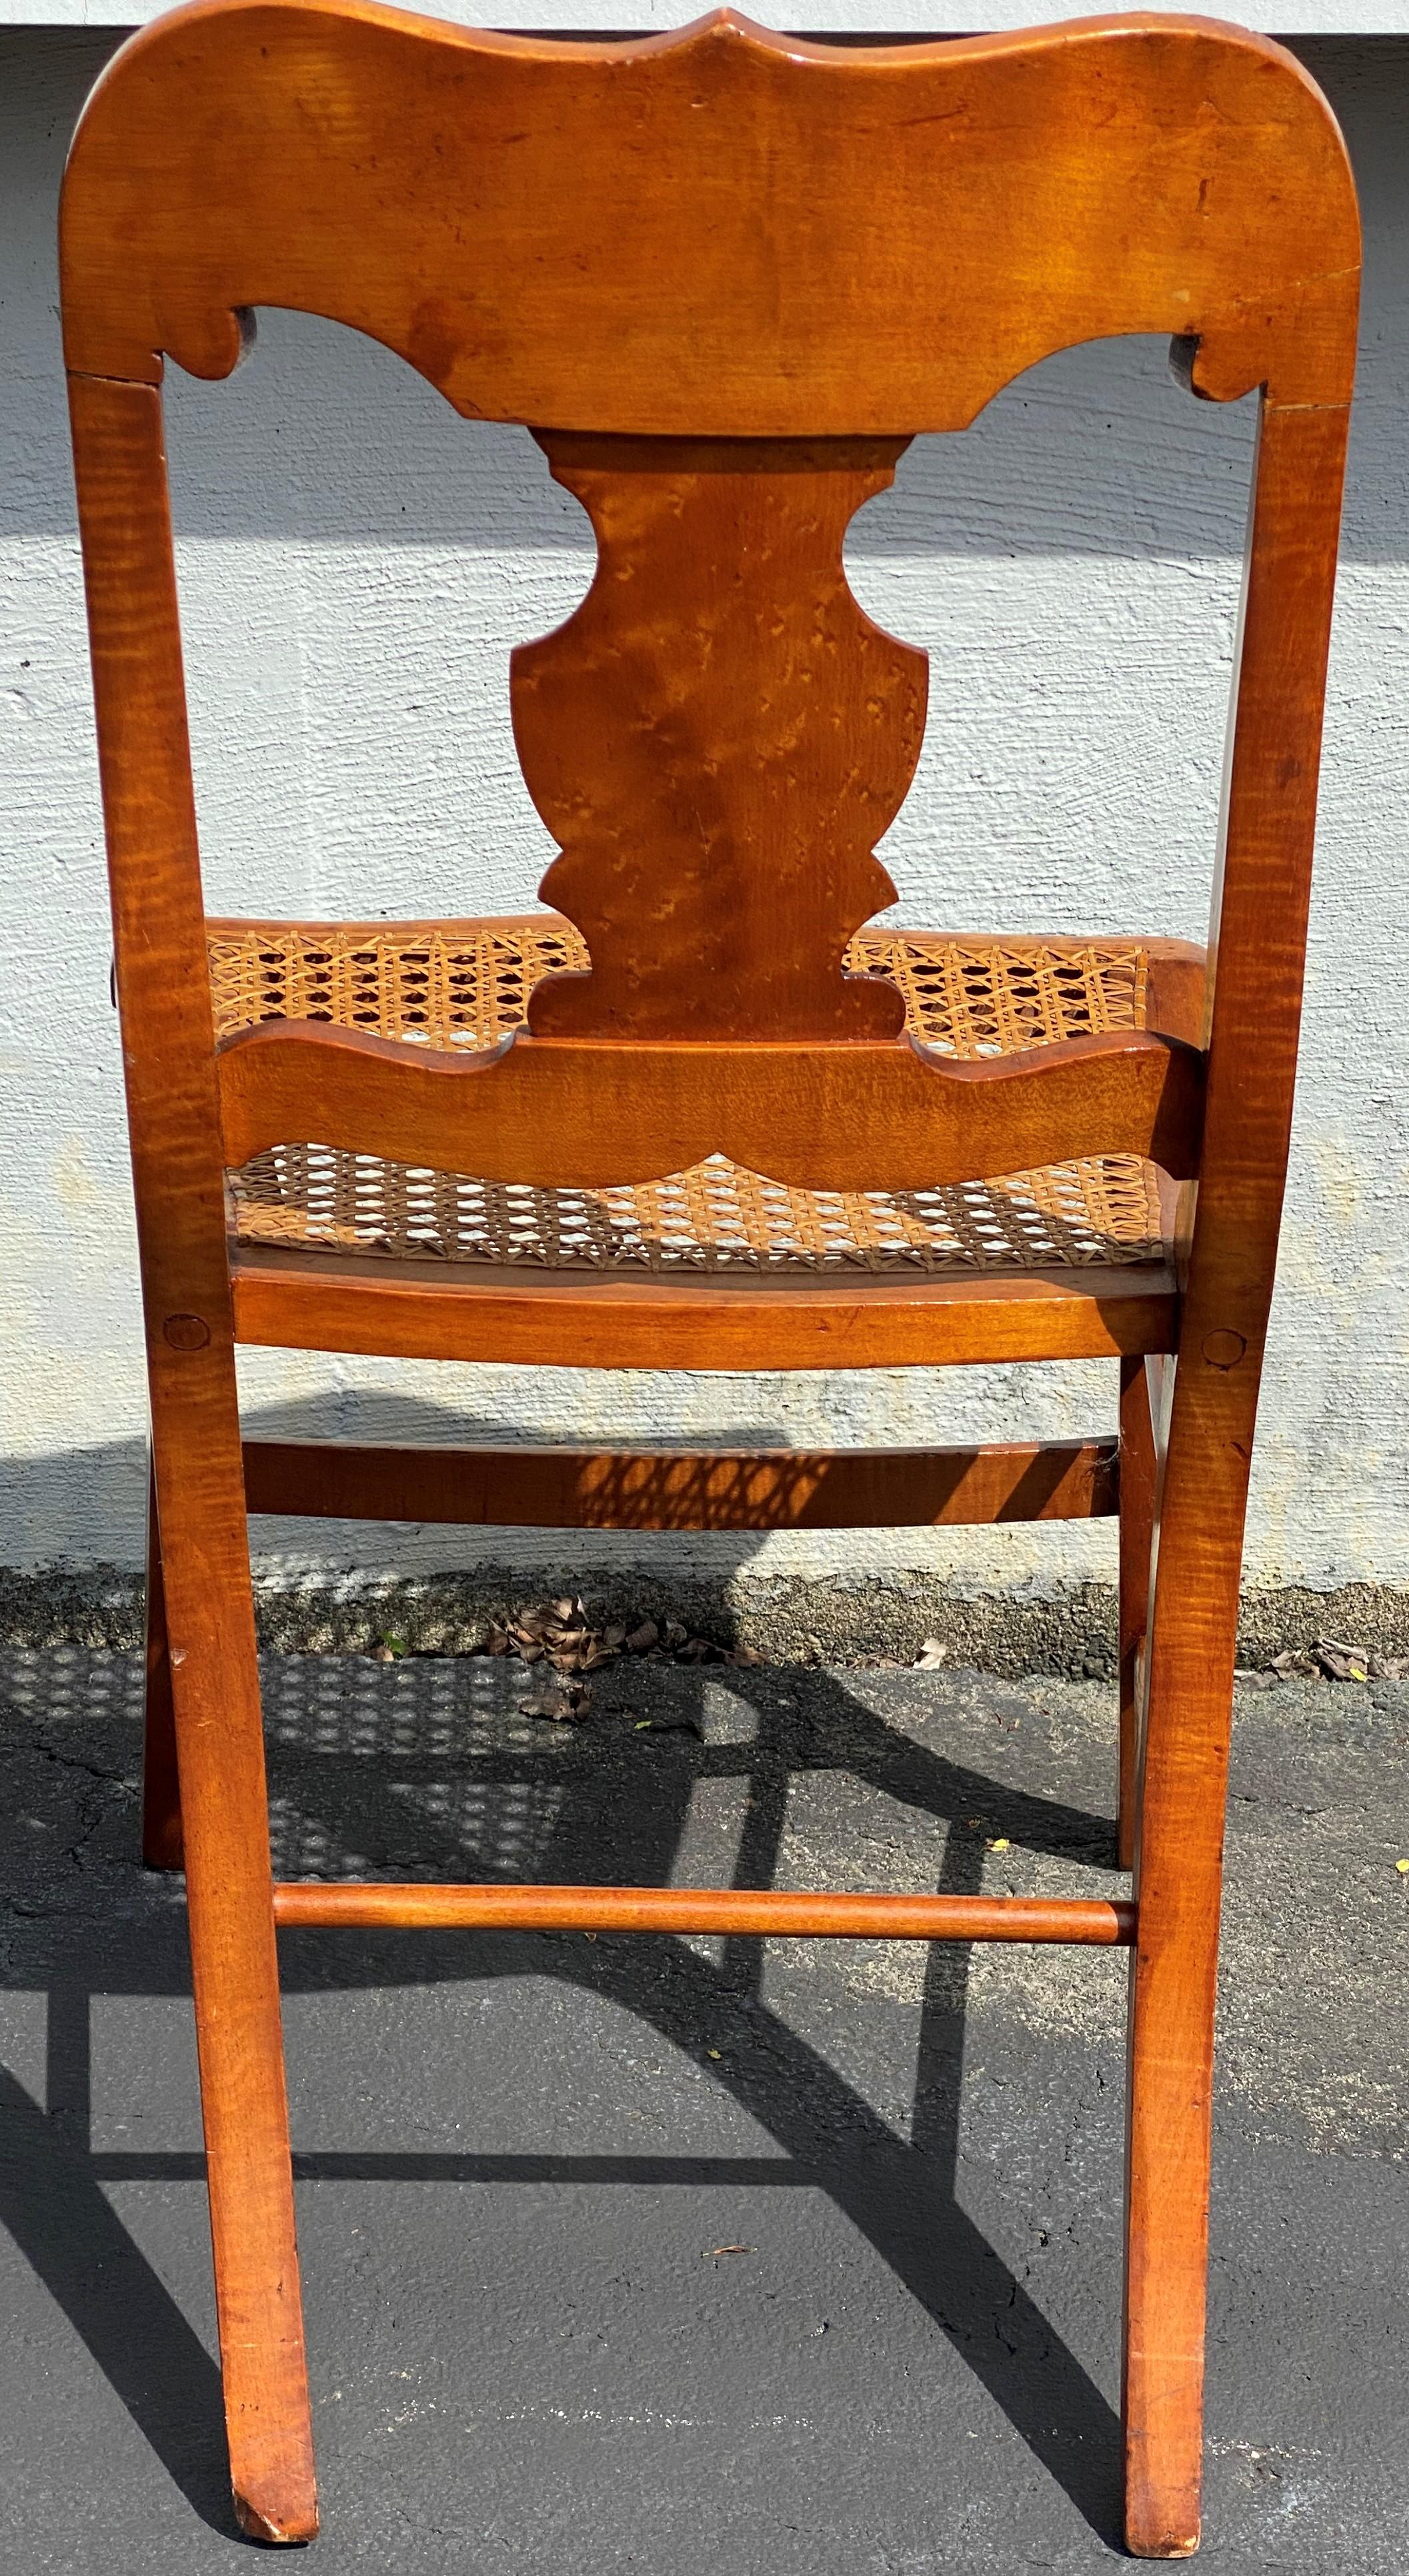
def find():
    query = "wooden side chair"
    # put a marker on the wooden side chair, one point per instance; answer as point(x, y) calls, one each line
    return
point(700, 1115)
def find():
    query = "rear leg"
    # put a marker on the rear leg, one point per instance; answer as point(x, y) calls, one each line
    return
point(161, 1792)
point(1137, 1520)
point(213, 1671)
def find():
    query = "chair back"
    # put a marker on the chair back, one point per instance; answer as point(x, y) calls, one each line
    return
point(723, 276)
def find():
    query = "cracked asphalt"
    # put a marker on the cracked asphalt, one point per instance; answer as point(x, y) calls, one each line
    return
point(699, 2256)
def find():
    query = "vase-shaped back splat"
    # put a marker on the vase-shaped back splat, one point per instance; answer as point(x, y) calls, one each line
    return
point(717, 739)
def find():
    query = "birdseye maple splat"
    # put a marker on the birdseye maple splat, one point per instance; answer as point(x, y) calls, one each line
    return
point(717, 739)
point(723, 276)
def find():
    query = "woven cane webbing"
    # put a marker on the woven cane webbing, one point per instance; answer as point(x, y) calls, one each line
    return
point(466, 985)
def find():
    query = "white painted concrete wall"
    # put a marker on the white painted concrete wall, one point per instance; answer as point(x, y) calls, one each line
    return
point(356, 563)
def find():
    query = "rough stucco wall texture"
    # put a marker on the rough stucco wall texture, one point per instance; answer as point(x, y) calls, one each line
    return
point(355, 564)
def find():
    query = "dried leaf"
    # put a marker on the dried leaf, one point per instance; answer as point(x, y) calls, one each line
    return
point(497, 1642)
point(716, 2250)
point(1000, 1842)
point(1403, 1868)
point(1343, 1663)
point(1256, 1680)
point(748, 1655)
point(641, 1640)
point(675, 1633)
point(560, 1701)
point(931, 1655)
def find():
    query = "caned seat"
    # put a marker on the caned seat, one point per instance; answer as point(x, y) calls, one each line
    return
point(466, 985)
point(704, 1114)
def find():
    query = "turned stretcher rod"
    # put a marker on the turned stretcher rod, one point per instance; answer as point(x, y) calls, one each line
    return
point(369, 1905)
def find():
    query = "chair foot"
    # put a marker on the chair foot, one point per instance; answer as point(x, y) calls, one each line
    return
point(162, 1847)
point(287, 2525)
point(1168, 2143)
point(1166, 2253)
point(1163, 2516)
point(1158, 2523)
point(1153, 2541)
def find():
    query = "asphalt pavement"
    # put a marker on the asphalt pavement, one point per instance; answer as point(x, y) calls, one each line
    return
point(692, 2257)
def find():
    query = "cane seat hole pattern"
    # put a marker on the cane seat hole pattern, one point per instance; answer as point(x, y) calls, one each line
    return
point(466, 985)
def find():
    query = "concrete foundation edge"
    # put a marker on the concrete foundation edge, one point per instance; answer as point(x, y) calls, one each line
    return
point(786, 1619)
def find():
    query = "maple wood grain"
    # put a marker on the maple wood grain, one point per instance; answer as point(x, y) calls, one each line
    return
point(429, 1310)
point(1177, 995)
point(719, 233)
point(371, 1905)
point(173, 1122)
point(1137, 1508)
point(709, 1489)
point(161, 1791)
point(1258, 951)
point(719, 767)
point(726, 275)
point(889, 1116)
